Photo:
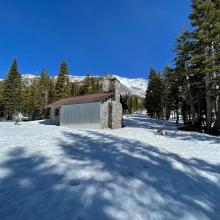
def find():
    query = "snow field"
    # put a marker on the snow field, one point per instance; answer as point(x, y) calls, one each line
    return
point(137, 172)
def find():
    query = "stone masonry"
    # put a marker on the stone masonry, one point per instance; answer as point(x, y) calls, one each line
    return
point(111, 110)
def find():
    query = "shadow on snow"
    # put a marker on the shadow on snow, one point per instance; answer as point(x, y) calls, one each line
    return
point(168, 126)
point(129, 179)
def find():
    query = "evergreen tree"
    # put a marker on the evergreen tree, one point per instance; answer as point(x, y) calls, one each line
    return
point(90, 85)
point(131, 104)
point(168, 100)
point(155, 95)
point(46, 93)
point(205, 18)
point(62, 87)
point(12, 92)
point(26, 108)
point(37, 96)
point(32, 100)
point(149, 93)
point(75, 88)
point(181, 83)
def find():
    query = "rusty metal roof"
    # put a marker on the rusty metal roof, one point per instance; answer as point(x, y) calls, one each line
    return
point(98, 97)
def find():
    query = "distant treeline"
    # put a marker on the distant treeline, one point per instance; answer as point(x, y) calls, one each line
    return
point(132, 104)
point(192, 87)
point(32, 99)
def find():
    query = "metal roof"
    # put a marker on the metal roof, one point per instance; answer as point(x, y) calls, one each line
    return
point(98, 97)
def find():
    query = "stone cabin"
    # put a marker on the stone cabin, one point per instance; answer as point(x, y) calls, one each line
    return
point(100, 110)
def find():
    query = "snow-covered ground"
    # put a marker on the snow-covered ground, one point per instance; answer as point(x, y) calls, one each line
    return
point(147, 170)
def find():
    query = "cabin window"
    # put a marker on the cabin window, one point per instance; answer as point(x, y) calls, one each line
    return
point(57, 112)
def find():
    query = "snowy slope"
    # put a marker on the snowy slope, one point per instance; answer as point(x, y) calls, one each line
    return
point(134, 173)
point(136, 86)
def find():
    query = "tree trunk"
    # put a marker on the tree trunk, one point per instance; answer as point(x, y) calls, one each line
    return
point(216, 127)
point(193, 114)
point(177, 116)
point(208, 106)
point(168, 114)
point(208, 113)
point(184, 113)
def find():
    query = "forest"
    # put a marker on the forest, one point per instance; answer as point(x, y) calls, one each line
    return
point(191, 87)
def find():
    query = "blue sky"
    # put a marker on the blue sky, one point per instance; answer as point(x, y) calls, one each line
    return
point(125, 37)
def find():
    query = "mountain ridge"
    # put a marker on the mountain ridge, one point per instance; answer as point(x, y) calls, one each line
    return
point(131, 86)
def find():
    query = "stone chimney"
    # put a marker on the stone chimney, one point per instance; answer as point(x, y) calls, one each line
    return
point(111, 84)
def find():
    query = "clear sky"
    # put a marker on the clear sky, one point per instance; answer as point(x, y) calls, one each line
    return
point(125, 37)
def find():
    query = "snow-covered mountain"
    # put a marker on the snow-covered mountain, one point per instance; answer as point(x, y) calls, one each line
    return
point(133, 86)
point(28, 78)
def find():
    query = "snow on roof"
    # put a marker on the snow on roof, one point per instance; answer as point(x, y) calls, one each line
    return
point(98, 97)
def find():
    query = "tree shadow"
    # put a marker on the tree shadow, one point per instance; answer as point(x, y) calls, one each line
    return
point(33, 189)
point(170, 128)
point(162, 185)
point(44, 122)
point(104, 177)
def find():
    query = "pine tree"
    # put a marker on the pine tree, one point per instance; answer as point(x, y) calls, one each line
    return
point(149, 94)
point(168, 92)
point(205, 18)
point(62, 87)
point(37, 96)
point(90, 85)
point(158, 93)
point(26, 104)
point(12, 92)
point(74, 88)
point(181, 82)
point(131, 103)
point(85, 86)
point(46, 92)
point(154, 96)
point(32, 100)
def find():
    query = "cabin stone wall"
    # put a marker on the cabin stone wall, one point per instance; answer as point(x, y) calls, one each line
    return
point(111, 114)
point(54, 119)
point(104, 114)
point(116, 119)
